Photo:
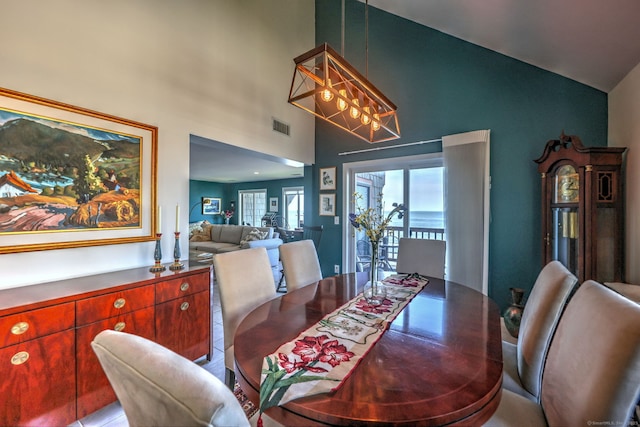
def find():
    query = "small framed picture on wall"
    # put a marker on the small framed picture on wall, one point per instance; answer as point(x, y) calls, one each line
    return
point(211, 206)
point(273, 204)
point(328, 178)
point(328, 204)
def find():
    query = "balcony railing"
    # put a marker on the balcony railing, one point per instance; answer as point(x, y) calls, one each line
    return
point(393, 235)
point(390, 243)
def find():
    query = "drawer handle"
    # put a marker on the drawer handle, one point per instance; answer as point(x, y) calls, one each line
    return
point(184, 306)
point(119, 303)
point(184, 286)
point(119, 326)
point(19, 328)
point(19, 358)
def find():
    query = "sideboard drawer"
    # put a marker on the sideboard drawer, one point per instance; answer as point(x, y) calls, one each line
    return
point(104, 306)
point(38, 385)
point(176, 288)
point(94, 390)
point(184, 326)
point(32, 324)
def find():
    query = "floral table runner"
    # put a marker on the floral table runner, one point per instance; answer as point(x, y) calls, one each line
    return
point(323, 356)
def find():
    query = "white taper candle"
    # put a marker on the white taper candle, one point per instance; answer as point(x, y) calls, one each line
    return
point(177, 218)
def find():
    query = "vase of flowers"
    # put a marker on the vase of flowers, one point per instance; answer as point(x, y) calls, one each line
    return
point(374, 223)
point(227, 216)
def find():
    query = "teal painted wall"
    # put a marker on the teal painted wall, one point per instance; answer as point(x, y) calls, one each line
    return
point(273, 187)
point(200, 189)
point(443, 85)
point(229, 193)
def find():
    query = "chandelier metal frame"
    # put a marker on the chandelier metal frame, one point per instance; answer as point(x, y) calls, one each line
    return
point(327, 86)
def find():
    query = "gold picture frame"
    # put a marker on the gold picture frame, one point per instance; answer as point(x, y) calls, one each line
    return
point(328, 178)
point(73, 177)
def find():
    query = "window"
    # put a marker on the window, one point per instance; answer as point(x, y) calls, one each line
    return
point(293, 207)
point(253, 206)
point(417, 182)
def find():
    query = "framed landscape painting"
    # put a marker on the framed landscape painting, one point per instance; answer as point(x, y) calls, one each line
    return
point(211, 206)
point(72, 177)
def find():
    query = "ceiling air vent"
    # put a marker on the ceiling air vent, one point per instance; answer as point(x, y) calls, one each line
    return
point(283, 128)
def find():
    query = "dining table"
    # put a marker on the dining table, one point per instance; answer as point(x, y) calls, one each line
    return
point(438, 363)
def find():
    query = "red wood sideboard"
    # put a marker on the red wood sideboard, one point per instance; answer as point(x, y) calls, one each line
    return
point(49, 374)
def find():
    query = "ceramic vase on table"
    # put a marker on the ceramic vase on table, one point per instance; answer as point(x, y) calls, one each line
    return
point(226, 220)
point(374, 290)
point(513, 314)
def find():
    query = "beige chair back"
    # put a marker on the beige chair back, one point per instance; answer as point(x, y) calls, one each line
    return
point(422, 256)
point(592, 373)
point(245, 280)
point(543, 309)
point(157, 387)
point(300, 264)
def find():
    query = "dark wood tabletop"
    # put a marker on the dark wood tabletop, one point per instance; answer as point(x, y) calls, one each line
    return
point(439, 363)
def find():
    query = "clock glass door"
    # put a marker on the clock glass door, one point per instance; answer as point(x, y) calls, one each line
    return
point(565, 234)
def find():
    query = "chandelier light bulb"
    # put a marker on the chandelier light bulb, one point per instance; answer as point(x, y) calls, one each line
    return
point(341, 103)
point(375, 124)
point(354, 112)
point(365, 119)
point(326, 94)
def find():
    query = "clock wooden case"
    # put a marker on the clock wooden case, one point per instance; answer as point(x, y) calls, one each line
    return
point(582, 208)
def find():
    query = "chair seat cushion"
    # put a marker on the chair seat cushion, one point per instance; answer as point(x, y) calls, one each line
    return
point(515, 410)
point(510, 377)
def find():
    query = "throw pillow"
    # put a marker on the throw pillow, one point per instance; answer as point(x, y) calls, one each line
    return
point(196, 227)
point(200, 236)
point(254, 234)
point(206, 229)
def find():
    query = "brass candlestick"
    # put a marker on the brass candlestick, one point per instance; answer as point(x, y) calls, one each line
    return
point(177, 265)
point(157, 256)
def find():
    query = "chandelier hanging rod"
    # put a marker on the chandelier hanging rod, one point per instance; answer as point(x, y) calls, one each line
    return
point(327, 86)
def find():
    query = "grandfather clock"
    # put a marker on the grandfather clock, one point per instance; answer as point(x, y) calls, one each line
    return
point(582, 210)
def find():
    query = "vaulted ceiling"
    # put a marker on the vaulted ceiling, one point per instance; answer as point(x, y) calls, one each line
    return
point(594, 42)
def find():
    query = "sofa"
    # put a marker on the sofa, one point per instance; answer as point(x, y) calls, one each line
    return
point(219, 238)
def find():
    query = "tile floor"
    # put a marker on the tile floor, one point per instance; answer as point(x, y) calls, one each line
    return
point(113, 416)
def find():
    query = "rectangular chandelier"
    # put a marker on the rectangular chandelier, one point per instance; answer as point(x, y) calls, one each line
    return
point(327, 86)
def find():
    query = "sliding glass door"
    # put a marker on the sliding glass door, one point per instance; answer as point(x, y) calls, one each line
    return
point(293, 207)
point(452, 188)
point(416, 182)
point(253, 206)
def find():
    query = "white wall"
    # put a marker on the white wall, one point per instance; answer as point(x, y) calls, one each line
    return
point(220, 69)
point(624, 131)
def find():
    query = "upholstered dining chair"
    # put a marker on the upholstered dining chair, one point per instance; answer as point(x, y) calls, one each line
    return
point(629, 290)
point(314, 233)
point(285, 239)
point(300, 264)
point(245, 280)
point(523, 362)
point(592, 372)
point(157, 387)
point(422, 256)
